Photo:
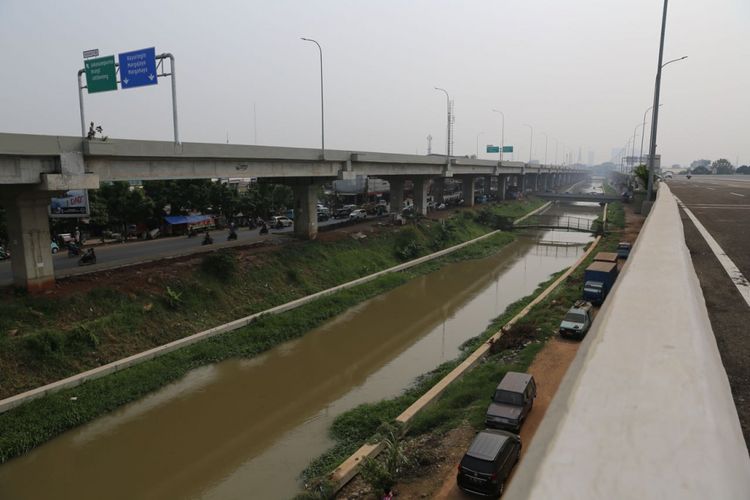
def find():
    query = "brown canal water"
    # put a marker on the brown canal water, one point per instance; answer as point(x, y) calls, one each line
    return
point(245, 429)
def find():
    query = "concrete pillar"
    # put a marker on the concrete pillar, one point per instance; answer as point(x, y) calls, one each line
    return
point(536, 183)
point(467, 190)
point(397, 194)
point(502, 186)
point(523, 184)
point(438, 190)
point(305, 211)
point(29, 245)
point(420, 194)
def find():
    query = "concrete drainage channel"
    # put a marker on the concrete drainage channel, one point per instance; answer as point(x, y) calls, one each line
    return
point(75, 380)
point(350, 467)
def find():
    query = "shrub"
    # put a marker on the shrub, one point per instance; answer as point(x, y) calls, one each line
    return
point(173, 298)
point(221, 265)
point(45, 344)
point(82, 338)
point(408, 244)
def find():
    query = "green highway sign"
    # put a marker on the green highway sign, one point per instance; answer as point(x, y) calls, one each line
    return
point(507, 149)
point(100, 74)
point(493, 149)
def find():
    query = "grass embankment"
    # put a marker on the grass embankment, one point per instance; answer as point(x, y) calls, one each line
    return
point(223, 288)
point(466, 399)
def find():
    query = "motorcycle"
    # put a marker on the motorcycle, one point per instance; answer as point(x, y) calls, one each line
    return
point(88, 258)
point(4, 254)
point(232, 236)
point(263, 228)
point(207, 240)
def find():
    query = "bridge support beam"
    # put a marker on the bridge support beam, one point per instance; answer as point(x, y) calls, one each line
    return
point(438, 190)
point(467, 190)
point(502, 186)
point(397, 193)
point(306, 210)
point(421, 184)
point(487, 185)
point(29, 235)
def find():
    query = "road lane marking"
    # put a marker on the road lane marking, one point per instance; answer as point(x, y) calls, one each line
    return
point(742, 284)
point(737, 194)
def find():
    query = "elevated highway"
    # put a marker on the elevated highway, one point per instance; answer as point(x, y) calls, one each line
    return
point(35, 167)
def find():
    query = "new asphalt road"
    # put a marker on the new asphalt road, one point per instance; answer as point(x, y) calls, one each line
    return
point(721, 208)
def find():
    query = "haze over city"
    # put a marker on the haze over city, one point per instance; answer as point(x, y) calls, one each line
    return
point(581, 72)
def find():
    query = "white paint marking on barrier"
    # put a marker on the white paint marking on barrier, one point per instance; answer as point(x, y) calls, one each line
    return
point(739, 280)
point(737, 194)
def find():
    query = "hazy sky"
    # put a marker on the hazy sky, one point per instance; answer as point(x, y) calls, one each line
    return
point(581, 71)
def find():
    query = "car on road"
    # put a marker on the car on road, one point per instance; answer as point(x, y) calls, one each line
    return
point(577, 320)
point(511, 402)
point(54, 247)
point(359, 213)
point(489, 461)
point(279, 221)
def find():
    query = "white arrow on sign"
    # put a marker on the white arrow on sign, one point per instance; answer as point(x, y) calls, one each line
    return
point(150, 77)
point(125, 81)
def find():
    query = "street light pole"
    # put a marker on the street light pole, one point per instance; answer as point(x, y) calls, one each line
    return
point(633, 146)
point(502, 133)
point(448, 140)
point(531, 139)
point(546, 141)
point(322, 116)
point(556, 152)
point(655, 110)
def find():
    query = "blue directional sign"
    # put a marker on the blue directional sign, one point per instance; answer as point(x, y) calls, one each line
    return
point(138, 68)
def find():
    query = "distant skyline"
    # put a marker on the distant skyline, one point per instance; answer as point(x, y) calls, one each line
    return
point(581, 72)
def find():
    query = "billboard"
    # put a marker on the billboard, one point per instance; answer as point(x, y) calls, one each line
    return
point(73, 204)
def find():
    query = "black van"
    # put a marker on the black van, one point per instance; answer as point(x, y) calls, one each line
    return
point(487, 465)
point(512, 401)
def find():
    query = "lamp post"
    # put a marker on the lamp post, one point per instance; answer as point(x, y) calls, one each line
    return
point(531, 138)
point(502, 133)
point(546, 141)
point(643, 132)
point(556, 151)
point(322, 116)
point(632, 154)
point(448, 140)
point(478, 136)
point(655, 110)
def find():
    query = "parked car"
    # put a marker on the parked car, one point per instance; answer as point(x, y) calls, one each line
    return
point(342, 213)
point(54, 247)
point(322, 216)
point(359, 213)
point(281, 221)
point(487, 464)
point(623, 250)
point(577, 320)
point(512, 401)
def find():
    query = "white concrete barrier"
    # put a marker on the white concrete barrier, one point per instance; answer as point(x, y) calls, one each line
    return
point(645, 411)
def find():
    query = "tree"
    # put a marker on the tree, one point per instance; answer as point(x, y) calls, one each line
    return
point(700, 163)
point(744, 169)
point(700, 171)
point(722, 166)
point(641, 173)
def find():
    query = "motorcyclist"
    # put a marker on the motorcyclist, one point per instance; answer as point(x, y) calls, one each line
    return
point(232, 232)
point(207, 240)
